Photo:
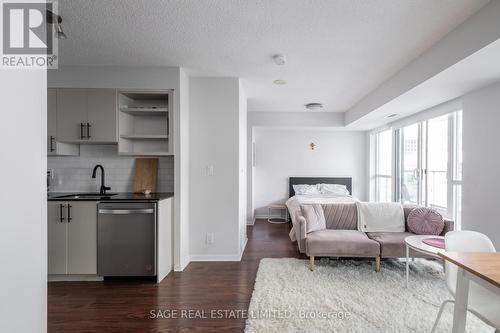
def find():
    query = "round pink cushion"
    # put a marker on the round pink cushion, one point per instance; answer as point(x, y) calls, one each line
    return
point(425, 221)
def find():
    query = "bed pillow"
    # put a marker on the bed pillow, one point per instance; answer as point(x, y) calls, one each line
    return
point(335, 189)
point(425, 221)
point(314, 216)
point(306, 189)
point(380, 217)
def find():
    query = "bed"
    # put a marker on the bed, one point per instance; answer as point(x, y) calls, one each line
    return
point(294, 201)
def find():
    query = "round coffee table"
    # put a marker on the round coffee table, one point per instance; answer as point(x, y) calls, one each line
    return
point(415, 243)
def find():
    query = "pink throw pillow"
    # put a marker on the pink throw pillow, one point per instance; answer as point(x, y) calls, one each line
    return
point(425, 221)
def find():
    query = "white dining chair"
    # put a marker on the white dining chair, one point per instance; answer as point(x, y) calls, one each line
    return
point(482, 302)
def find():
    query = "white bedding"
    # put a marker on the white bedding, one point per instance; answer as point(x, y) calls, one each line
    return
point(294, 203)
point(324, 199)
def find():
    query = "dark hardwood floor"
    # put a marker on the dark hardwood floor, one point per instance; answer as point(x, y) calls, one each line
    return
point(125, 306)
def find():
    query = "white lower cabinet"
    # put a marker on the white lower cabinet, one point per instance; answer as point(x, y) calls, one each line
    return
point(72, 238)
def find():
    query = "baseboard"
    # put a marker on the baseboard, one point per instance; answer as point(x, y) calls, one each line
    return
point(251, 222)
point(182, 266)
point(220, 257)
point(74, 278)
point(243, 248)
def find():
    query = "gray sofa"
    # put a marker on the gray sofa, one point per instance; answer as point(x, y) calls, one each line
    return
point(341, 238)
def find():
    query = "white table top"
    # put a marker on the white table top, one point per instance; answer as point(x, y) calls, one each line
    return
point(415, 242)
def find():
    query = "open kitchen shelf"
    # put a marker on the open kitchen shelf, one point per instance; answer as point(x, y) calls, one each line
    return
point(145, 122)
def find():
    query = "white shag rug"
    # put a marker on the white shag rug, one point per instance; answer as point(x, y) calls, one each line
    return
point(349, 296)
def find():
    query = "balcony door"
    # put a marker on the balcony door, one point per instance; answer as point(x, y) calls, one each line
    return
point(410, 164)
point(428, 154)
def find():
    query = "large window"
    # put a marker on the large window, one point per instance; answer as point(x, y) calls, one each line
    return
point(421, 164)
point(383, 166)
point(428, 156)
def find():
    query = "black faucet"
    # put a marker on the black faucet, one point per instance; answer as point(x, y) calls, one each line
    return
point(104, 188)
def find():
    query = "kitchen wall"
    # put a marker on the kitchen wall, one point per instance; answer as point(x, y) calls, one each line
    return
point(148, 78)
point(283, 153)
point(73, 173)
point(481, 162)
point(23, 203)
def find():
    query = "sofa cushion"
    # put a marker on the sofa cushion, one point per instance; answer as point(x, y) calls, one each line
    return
point(314, 217)
point(425, 221)
point(392, 244)
point(341, 216)
point(342, 243)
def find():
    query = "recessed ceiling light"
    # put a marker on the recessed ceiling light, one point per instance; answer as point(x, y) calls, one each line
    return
point(279, 59)
point(279, 82)
point(392, 115)
point(314, 106)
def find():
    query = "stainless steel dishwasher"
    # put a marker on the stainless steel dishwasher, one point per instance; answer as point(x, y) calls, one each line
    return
point(126, 239)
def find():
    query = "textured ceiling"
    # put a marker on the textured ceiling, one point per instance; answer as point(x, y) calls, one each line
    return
point(337, 50)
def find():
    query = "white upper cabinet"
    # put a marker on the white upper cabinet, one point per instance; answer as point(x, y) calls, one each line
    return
point(71, 114)
point(54, 146)
point(51, 114)
point(101, 115)
point(87, 115)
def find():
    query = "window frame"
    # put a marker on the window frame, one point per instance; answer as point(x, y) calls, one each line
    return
point(454, 182)
point(377, 175)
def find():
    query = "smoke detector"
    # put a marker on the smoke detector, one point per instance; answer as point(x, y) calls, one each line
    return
point(279, 82)
point(314, 106)
point(279, 59)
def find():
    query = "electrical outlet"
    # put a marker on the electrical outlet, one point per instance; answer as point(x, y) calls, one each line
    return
point(210, 170)
point(210, 238)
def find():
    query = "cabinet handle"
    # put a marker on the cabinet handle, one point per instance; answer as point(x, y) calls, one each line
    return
point(69, 213)
point(52, 143)
point(61, 216)
point(82, 135)
point(88, 130)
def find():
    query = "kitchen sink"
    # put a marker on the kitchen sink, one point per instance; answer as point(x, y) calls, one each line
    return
point(85, 196)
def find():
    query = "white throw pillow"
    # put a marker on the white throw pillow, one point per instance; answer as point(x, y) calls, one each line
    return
point(380, 217)
point(335, 189)
point(315, 217)
point(306, 189)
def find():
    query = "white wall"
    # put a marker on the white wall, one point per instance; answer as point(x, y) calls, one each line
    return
point(284, 153)
point(481, 162)
point(242, 184)
point(148, 78)
point(23, 201)
point(284, 120)
point(182, 180)
point(297, 119)
point(215, 135)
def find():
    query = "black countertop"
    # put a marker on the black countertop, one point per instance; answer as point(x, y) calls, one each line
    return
point(120, 196)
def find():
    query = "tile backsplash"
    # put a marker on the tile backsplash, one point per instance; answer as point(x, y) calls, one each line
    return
point(74, 173)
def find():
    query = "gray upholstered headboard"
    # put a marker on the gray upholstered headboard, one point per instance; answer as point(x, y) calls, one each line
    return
point(347, 181)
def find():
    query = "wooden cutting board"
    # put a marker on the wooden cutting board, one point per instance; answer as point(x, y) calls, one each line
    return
point(146, 174)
